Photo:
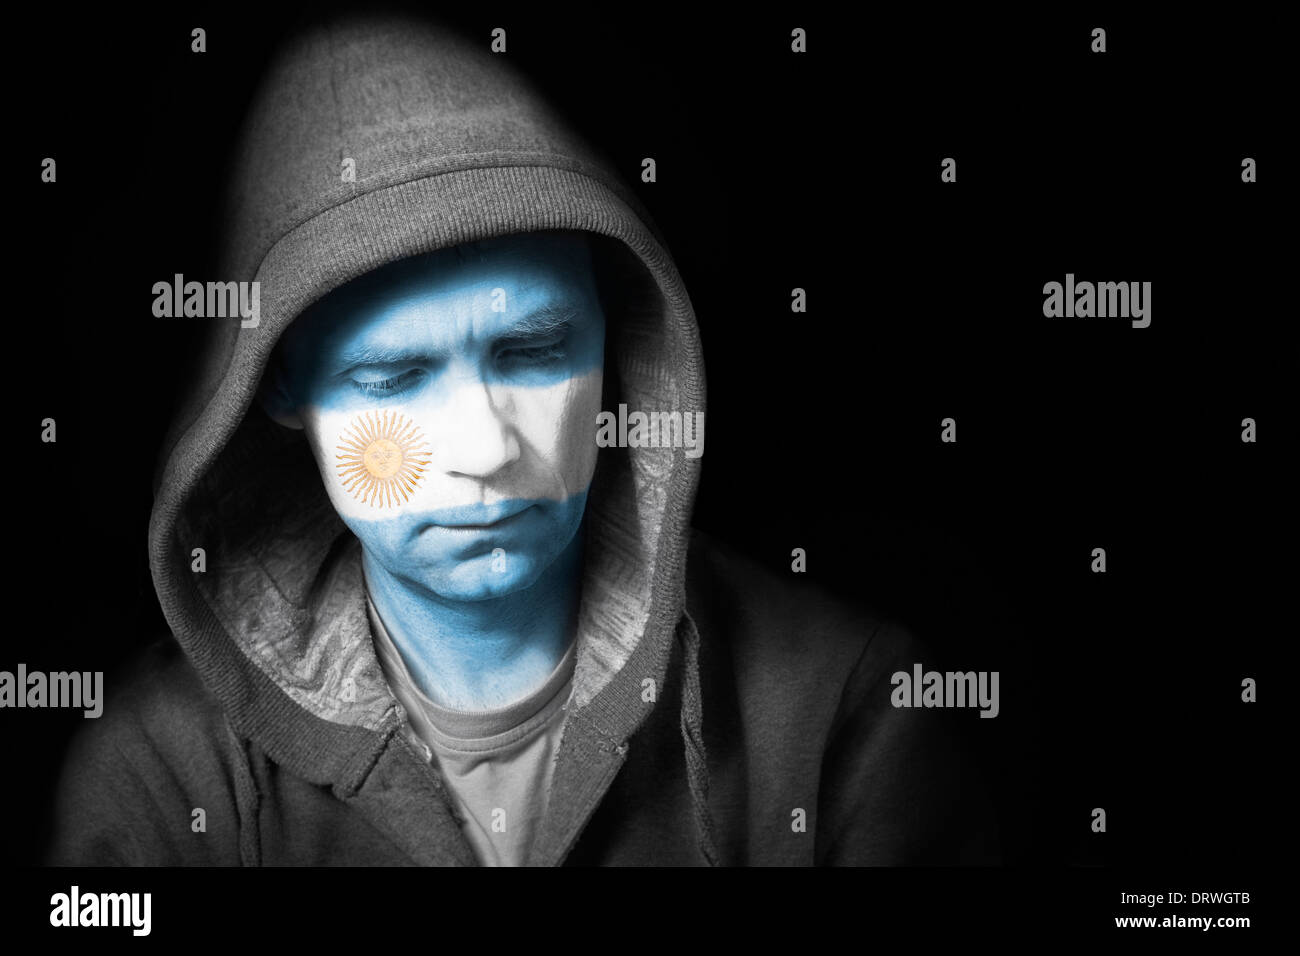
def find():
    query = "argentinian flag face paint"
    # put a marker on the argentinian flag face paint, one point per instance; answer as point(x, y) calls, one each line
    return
point(449, 401)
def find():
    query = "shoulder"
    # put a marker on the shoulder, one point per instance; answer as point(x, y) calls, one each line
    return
point(132, 778)
point(784, 629)
point(156, 699)
point(779, 613)
point(160, 728)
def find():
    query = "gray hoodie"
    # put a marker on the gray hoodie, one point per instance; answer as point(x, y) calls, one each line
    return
point(267, 706)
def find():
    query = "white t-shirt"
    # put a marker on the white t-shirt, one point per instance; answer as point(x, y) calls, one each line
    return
point(497, 763)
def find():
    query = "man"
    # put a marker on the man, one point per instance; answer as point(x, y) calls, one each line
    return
point(432, 621)
point(462, 394)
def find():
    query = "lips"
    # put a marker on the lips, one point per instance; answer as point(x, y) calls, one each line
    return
point(479, 517)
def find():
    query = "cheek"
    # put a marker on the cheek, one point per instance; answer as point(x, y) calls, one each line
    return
point(313, 428)
point(555, 426)
point(374, 464)
point(559, 424)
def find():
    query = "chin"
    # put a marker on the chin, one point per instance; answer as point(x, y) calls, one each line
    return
point(483, 578)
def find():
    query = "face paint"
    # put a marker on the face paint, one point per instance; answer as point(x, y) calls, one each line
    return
point(382, 459)
point(455, 438)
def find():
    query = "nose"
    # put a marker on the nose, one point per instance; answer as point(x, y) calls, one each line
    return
point(473, 438)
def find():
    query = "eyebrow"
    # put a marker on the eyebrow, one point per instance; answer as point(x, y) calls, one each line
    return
point(542, 322)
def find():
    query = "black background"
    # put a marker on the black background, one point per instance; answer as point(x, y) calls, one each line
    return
point(819, 171)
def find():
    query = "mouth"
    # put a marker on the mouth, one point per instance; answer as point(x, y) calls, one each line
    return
point(491, 518)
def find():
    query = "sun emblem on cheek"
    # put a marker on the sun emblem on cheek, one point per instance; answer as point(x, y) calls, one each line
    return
point(383, 459)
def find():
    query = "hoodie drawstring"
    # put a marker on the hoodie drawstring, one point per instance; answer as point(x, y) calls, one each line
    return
point(247, 801)
point(697, 765)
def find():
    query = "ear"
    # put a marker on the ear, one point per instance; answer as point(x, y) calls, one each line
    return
point(274, 396)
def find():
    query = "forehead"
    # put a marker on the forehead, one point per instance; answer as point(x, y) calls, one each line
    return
point(450, 298)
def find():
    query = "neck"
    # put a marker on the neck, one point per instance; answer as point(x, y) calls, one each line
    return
point(481, 655)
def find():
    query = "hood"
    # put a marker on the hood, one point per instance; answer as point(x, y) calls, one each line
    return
point(449, 145)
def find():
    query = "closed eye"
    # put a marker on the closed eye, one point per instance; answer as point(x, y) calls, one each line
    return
point(533, 354)
point(395, 385)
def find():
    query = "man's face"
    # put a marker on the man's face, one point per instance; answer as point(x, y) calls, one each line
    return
point(451, 407)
